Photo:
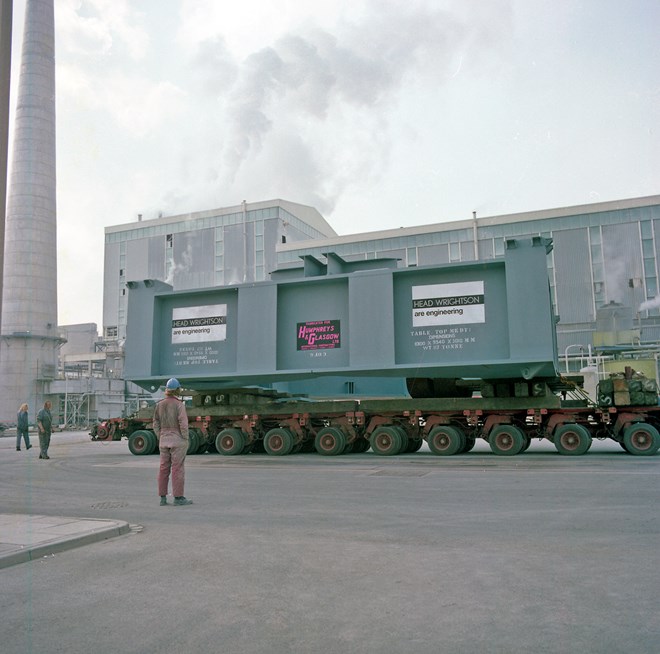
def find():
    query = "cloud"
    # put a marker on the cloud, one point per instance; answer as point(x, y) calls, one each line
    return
point(98, 27)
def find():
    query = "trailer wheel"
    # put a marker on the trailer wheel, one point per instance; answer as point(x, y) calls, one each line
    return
point(102, 432)
point(142, 442)
point(308, 446)
point(506, 440)
point(572, 439)
point(386, 440)
point(445, 440)
point(230, 442)
point(199, 440)
point(469, 444)
point(278, 441)
point(330, 441)
point(414, 444)
point(360, 445)
point(193, 442)
point(641, 439)
point(405, 441)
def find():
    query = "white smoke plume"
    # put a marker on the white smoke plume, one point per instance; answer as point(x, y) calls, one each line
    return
point(310, 114)
point(650, 304)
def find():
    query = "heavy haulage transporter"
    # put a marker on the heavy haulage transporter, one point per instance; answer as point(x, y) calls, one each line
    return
point(444, 354)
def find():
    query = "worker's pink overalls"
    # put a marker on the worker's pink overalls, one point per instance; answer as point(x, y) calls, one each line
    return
point(171, 427)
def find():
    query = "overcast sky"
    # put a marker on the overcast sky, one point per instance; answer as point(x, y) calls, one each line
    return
point(380, 113)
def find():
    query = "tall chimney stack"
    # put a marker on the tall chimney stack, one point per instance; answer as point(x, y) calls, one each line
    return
point(6, 20)
point(29, 338)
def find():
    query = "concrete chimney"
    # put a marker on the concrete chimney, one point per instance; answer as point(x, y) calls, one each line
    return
point(29, 338)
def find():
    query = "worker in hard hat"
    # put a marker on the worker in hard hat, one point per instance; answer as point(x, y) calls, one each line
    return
point(170, 425)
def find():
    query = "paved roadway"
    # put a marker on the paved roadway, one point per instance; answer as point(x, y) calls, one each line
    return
point(413, 554)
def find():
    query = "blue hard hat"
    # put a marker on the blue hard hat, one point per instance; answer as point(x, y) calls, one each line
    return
point(172, 384)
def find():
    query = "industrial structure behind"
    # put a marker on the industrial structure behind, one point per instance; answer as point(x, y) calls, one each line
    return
point(472, 347)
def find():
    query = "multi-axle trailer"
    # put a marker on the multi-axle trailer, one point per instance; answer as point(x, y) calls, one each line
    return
point(444, 354)
point(233, 423)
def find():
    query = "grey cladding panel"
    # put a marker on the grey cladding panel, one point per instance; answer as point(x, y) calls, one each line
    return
point(156, 268)
point(137, 259)
point(199, 333)
point(194, 271)
point(234, 254)
point(257, 333)
point(451, 315)
point(432, 255)
point(372, 320)
point(623, 264)
point(111, 285)
point(573, 276)
point(313, 325)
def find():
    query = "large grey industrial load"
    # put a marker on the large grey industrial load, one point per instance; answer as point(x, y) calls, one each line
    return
point(474, 342)
point(489, 320)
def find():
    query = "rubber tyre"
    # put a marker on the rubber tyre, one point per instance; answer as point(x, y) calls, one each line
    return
point(445, 440)
point(641, 439)
point(386, 440)
point(330, 441)
point(360, 446)
point(469, 444)
point(230, 442)
point(142, 442)
point(201, 441)
point(506, 440)
point(193, 442)
point(405, 441)
point(414, 444)
point(278, 442)
point(154, 440)
point(572, 439)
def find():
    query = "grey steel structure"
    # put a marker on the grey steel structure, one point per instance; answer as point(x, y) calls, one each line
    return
point(29, 338)
point(484, 320)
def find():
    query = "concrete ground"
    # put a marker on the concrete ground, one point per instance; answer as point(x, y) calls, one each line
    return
point(359, 553)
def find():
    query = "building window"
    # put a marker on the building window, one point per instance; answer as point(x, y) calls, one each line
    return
point(111, 332)
point(168, 240)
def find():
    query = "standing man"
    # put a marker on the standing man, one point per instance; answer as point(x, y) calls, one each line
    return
point(171, 427)
point(22, 428)
point(45, 426)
